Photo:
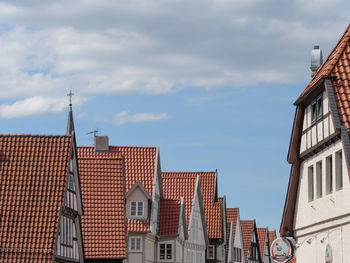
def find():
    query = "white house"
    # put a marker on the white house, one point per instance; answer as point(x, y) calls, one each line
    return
point(317, 209)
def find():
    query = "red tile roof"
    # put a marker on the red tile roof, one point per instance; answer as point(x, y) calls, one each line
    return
point(33, 173)
point(247, 228)
point(272, 237)
point(336, 64)
point(139, 165)
point(137, 226)
point(262, 234)
point(173, 186)
point(169, 217)
point(231, 216)
point(103, 222)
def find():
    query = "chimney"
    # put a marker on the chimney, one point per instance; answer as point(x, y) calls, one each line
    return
point(316, 59)
point(101, 144)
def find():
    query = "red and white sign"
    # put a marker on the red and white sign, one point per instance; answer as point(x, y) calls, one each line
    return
point(281, 250)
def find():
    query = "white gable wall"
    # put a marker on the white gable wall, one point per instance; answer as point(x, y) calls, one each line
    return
point(195, 245)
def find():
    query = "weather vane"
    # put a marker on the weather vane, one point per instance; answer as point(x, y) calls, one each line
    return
point(70, 94)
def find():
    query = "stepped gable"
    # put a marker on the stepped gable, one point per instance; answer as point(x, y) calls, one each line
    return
point(33, 174)
point(103, 222)
point(247, 228)
point(181, 184)
point(262, 239)
point(169, 217)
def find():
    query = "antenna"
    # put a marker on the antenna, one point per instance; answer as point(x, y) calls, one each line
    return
point(94, 132)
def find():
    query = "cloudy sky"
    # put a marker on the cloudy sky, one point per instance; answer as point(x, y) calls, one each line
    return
point(211, 82)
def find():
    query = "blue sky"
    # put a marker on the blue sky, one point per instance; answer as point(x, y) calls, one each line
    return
point(211, 82)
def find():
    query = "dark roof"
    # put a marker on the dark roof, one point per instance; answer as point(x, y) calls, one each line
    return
point(33, 172)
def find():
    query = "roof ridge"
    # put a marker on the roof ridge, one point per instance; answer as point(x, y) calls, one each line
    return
point(35, 135)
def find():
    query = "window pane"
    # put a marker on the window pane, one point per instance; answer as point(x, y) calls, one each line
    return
point(138, 243)
point(339, 170)
point(319, 179)
point(132, 246)
point(133, 208)
point(162, 251)
point(311, 183)
point(319, 108)
point(313, 112)
point(140, 209)
point(329, 175)
point(168, 251)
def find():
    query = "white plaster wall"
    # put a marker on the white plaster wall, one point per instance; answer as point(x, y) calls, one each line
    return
point(328, 206)
point(149, 250)
point(339, 239)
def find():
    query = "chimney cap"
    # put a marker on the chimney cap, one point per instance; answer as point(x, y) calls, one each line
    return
point(316, 57)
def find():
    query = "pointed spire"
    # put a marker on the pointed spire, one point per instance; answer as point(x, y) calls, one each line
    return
point(70, 122)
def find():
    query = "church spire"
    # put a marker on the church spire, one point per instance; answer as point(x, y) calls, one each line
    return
point(70, 122)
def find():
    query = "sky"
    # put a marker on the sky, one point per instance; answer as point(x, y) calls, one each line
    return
point(211, 82)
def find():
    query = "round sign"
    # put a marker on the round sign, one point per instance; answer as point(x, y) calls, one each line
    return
point(328, 254)
point(281, 250)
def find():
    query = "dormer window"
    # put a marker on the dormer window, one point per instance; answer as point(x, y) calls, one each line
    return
point(316, 109)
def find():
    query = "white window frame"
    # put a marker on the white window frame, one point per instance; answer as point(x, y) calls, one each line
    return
point(339, 173)
point(208, 253)
point(166, 254)
point(135, 239)
point(311, 186)
point(137, 205)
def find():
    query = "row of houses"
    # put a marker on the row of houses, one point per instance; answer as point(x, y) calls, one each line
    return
point(60, 202)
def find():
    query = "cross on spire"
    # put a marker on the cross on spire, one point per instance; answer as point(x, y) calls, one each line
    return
point(70, 94)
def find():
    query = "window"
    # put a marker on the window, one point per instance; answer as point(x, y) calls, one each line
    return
point(329, 175)
point(311, 183)
point(316, 109)
point(136, 208)
point(165, 251)
point(339, 170)
point(319, 179)
point(211, 252)
point(253, 251)
point(237, 254)
point(135, 244)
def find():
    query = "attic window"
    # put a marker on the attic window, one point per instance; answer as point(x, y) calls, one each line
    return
point(136, 208)
point(316, 109)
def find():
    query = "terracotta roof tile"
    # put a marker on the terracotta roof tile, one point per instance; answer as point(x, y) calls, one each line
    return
point(169, 217)
point(247, 228)
point(262, 234)
point(137, 225)
point(272, 237)
point(231, 216)
point(33, 172)
point(173, 187)
point(139, 165)
point(102, 185)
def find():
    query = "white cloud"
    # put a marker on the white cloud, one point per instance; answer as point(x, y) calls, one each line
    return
point(124, 117)
point(159, 46)
point(35, 106)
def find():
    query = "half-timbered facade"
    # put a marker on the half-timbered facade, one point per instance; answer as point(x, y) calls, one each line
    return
point(316, 212)
point(40, 203)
